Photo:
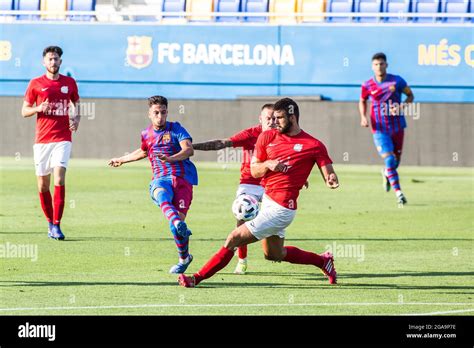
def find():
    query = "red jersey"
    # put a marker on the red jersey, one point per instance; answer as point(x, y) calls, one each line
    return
point(54, 126)
point(247, 139)
point(299, 152)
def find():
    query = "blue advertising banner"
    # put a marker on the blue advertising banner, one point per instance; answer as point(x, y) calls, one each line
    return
point(225, 62)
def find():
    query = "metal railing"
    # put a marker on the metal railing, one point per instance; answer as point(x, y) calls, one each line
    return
point(211, 16)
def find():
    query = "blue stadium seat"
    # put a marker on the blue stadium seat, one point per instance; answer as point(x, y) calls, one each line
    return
point(396, 6)
point(455, 6)
point(426, 6)
point(6, 5)
point(174, 6)
point(340, 6)
point(471, 9)
point(227, 6)
point(255, 6)
point(28, 5)
point(81, 5)
point(368, 6)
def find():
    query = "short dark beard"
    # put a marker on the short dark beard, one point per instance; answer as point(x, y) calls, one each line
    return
point(54, 73)
point(286, 129)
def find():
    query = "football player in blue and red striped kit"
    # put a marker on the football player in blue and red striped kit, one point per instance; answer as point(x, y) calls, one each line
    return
point(168, 146)
point(387, 118)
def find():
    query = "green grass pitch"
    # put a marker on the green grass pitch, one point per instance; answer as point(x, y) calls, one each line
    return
point(412, 260)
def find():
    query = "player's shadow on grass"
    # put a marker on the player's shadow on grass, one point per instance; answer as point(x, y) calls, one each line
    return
point(66, 283)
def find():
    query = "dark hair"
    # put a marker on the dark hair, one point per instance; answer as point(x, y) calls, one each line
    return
point(379, 55)
point(157, 100)
point(267, 106)
point(53, 49)
point(289, 106)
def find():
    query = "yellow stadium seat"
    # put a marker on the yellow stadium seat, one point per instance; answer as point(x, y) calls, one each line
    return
point(196, 9)
point(282, 7)
point(310, 8)
point(58, 8)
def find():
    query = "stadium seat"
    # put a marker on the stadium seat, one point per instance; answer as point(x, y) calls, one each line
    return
point(455, 6)
point(152, 7)
point(397, 6)
point(58, 8)
point(174, 6)
point(311, 8)
point(282, 7)
point(28, 5)
point(107, 13)
point(368, 6)
point(340, 6)
point(425, 6)
point(81, 5)
point(198, 9)
point(6, 5)
point(227, 6)
point(255, 6)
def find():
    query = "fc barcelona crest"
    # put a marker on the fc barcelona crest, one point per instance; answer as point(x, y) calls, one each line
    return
point(139, 51)
point(166, 138)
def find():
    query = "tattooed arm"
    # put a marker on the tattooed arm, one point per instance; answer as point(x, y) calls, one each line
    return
point(213, 145)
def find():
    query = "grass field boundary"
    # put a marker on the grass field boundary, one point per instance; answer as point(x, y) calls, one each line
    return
point(442, 312)
point(166, 305)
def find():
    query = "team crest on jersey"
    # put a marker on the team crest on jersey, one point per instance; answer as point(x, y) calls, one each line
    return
point(64, 89)
point(392, 88)
point(166, 138)
point(298, 147)
point(139, 51)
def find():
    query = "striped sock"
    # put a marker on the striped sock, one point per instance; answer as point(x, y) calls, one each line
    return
point(182, 243)
point(392, 176)
point(170, 212)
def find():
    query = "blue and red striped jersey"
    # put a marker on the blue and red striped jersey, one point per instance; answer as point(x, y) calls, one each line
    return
point(383, 94)
point(166, 141)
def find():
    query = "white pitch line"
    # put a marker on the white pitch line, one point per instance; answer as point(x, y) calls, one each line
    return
point(240, 305)
point(445, 312)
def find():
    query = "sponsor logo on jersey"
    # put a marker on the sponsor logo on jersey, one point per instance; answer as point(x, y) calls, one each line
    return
point(298, 147)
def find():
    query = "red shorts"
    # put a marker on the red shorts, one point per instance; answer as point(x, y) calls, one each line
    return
point(183, 194)
point(178, 188)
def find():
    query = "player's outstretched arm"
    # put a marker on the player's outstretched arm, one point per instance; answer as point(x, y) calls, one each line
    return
point(136, 155)
point(29, 110)
point(213, 145)
point(329, 176)
point(186, 152)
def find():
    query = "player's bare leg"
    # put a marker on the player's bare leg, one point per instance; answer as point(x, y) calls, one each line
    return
point(274, 250)
point(241, 267)
point(238, 237)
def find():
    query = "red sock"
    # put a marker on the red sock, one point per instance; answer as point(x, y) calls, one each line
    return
point(59, 194)
point(214, 265)
point(47, 205)
point(302, 257)
point(242, 252)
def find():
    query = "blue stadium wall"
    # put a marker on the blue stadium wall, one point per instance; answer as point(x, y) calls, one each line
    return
point(225, 62)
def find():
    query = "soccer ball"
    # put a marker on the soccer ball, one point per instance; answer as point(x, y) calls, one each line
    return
point(245, 207)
